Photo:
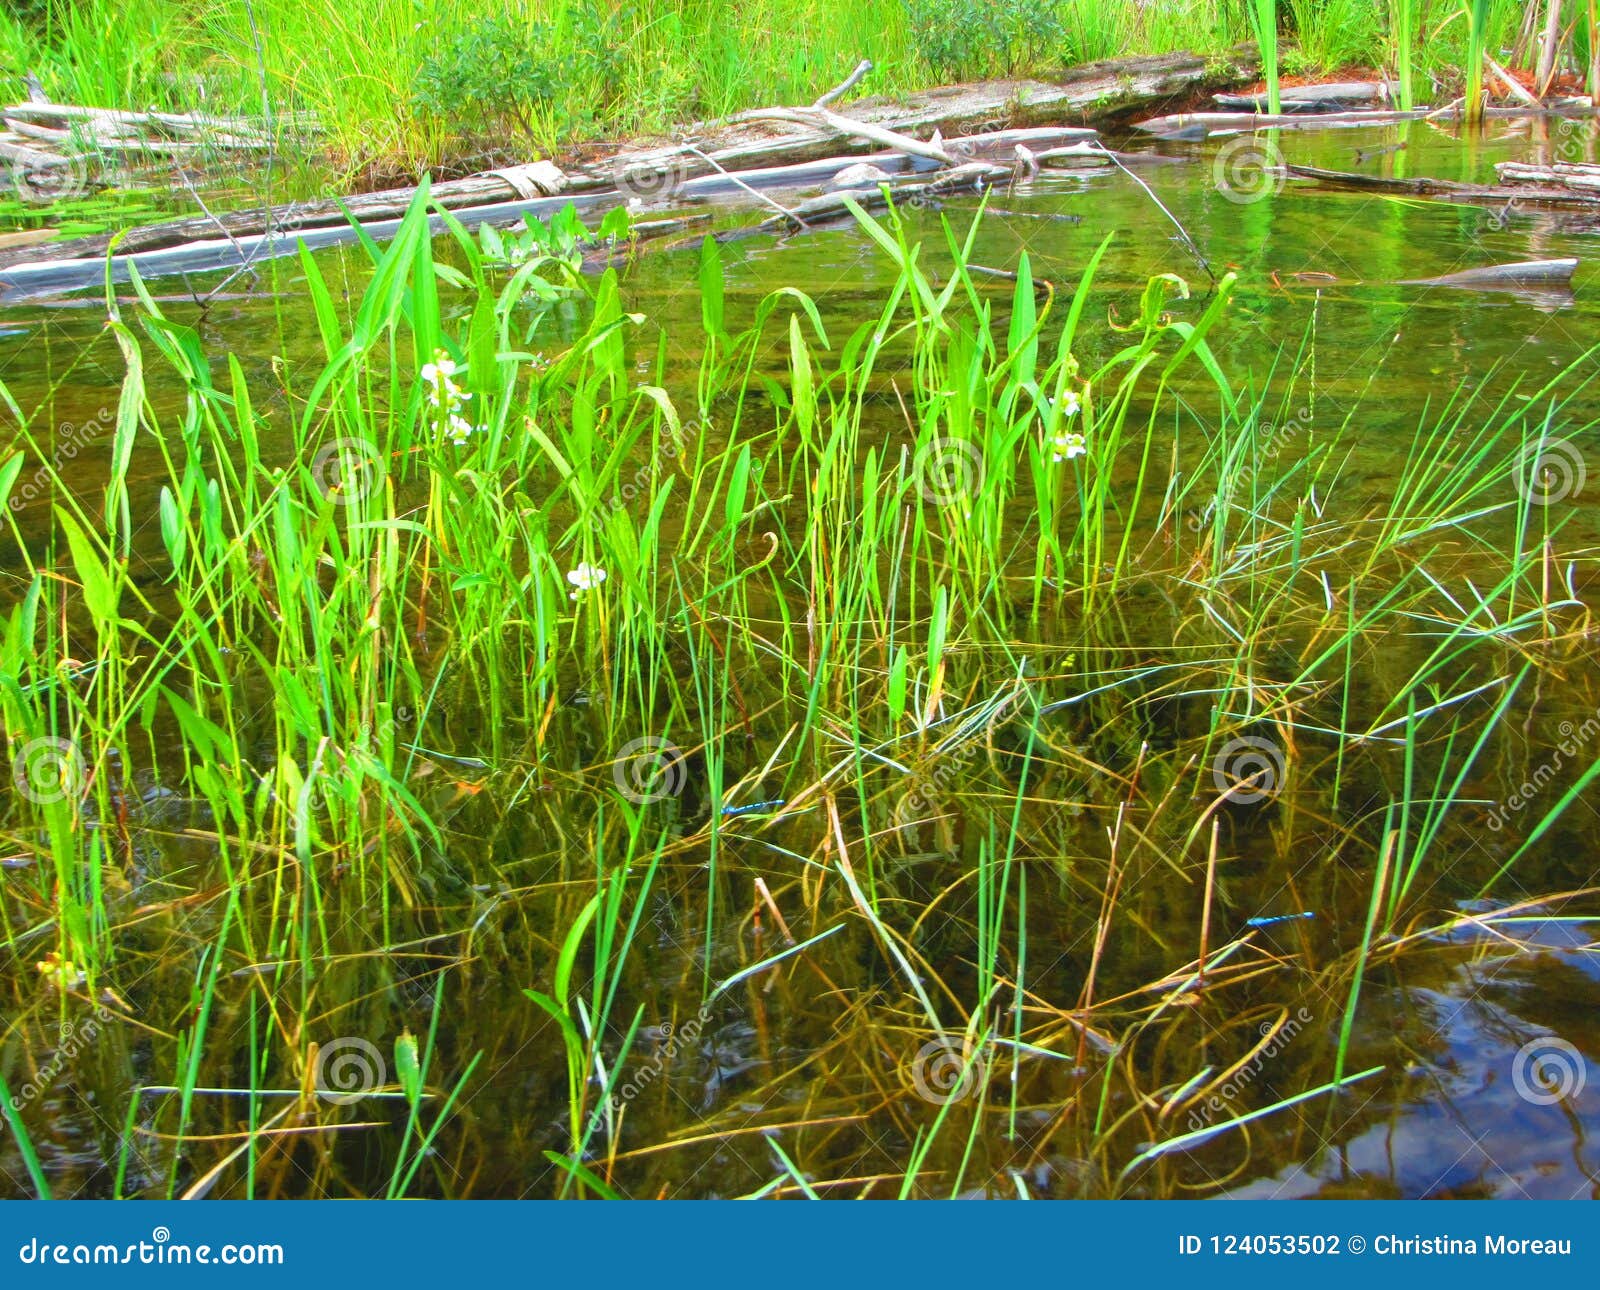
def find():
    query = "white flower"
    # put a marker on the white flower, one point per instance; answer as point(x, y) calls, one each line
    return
point(1068, 403)
point(1068, 445)
point(586, 577)
point(442, 391)
point(459, 429)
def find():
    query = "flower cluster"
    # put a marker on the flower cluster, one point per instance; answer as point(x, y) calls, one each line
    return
point(61, 974)
point(586, 577)
point(447, 398)
point(1067, 444)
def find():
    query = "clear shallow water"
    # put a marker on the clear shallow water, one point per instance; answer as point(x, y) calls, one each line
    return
point(1451, 1019)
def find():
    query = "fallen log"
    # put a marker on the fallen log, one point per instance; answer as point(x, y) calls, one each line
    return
point(31, 159)
point(1523, 273)
point(1477, 194)
point(1098, 88)
point(954, 118)
point(1571, 175)
point(1298, 99)
point(819, 116)
point(1093, 94)
point(176, 122)
point(478, 190)
point(1218, 121)
point(1233, 121)
point(1539, 278)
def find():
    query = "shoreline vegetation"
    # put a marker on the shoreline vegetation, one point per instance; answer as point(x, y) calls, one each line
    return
point(396, 88)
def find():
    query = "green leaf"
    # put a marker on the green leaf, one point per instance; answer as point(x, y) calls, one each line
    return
point(569, 948)
point(583, 1174)
point(407, 1067)
point(99, 588)
point(8, 478)
point(711, 295)
point(174, 533)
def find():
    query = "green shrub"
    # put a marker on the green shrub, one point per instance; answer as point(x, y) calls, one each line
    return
point(961, 39)
point(498, 72)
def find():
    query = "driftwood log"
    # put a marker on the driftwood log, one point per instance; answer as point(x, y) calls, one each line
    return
point(1476, 194)
point(955, 126)
point(1542, 273)
point(1576, 177)
point(478, 190)
point(1219, 122)
point(39, 139)
point(1329, 97)
point(1093, 95)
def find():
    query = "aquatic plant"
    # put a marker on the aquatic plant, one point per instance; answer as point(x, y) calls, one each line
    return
point(1264, 23)
point(914, 724)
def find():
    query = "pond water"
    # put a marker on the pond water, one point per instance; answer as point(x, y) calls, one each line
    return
point(1137, 1003)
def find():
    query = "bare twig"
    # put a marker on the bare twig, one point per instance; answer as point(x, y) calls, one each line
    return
point(1183, 233)
point(760, 197)
point(826, 119)
point(1513, 86)
point(845, 86)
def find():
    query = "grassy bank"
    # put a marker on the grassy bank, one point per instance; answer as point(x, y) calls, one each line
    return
point(401, 86)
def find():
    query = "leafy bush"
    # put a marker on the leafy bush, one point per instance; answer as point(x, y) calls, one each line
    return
point(497, 71)
point(960, 39)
